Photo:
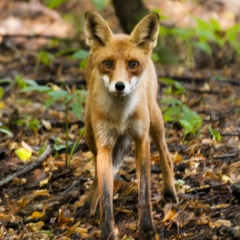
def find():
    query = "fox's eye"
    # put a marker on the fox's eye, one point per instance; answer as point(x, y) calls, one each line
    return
point(108, 63)
point(133, 64)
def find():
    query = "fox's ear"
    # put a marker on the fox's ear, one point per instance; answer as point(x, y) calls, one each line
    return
point(97, 30)
point(146, 32)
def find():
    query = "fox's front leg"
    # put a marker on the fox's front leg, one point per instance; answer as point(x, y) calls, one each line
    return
point(147, 230)
point(105, 189)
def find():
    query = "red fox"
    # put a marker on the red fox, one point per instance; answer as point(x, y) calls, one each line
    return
point(121, 106)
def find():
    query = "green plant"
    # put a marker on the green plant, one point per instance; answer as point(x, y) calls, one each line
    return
point(59, 144)
point(45, 58)
point(175, 87)
point(200, 37)
point(54, 3)
point(5, 130)
point(29, 123)
point(81, 55)
point(76, 98)
point(215, 134)
point(176, 111)
point(82, 131)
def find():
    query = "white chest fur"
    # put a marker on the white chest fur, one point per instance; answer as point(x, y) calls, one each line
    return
point(118, 120)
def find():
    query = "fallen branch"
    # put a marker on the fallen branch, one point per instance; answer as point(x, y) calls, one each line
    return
point(29, 167)
point(53, 204)
point(230, 134)
point(28, 36)
point(206, 188)
point(200, 81)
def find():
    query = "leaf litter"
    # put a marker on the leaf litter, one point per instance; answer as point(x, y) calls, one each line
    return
point(41, 203)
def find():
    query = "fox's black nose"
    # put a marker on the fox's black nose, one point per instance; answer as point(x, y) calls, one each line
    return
point(119, 86)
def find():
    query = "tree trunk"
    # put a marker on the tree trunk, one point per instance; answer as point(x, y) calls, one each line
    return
point(129, 12)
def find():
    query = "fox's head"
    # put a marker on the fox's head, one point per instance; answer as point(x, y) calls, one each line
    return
point(121, 60)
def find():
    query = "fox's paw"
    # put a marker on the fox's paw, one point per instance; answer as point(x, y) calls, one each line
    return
point(83, 212)
point(170, 195)
point(148, 234)
point(109, 232)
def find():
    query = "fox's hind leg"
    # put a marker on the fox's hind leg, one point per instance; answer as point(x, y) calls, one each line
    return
point(157, 133)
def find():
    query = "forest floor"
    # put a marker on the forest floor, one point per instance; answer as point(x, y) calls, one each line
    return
point(40, 203)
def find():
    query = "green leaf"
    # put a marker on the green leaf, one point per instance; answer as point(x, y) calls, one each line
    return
point(155, 57)
point(6, 131)
point(59, 144)
point(79, 97)
point(81, 54)
point(20, 81)
point(81, 94)
point(171, 101)
point(192, 116)
point(58, 94)
point(77, 108)
point(29, 123)
point(36, 88)
point(99, 4)
point(215, 25)
point(1, 92)
point(172, 114)
point(231, 37)
point(34, 124)
point(83, 63)
point(45, 57)
point(191, 120)
point(204, 31)
point(56, 3)
point(6, 80)
point(48, 103)
point(203, 25)
point(30, 82)
point(167, 80)
point(204, 46)
point(175, 86)
point(59, 147)
point(188, 126)
point(215, 134)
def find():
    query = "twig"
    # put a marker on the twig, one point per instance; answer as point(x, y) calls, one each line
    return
point(206, 188)
point(74, 184)
point(230, 134)
point(29, 167)
point(226, 155)
point(202, 91)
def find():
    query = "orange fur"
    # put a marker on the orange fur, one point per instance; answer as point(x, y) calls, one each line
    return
point(121, 104)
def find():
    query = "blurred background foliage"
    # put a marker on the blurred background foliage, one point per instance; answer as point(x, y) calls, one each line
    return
point(42, 43)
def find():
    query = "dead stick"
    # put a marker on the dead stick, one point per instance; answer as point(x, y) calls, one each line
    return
point(29, 167)
point(226, 155)
point(230, 134)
